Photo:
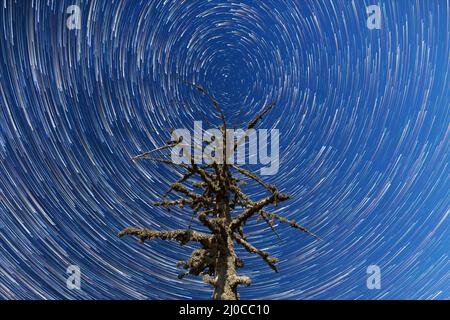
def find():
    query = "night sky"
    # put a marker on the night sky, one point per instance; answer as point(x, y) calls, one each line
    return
point(363, 116)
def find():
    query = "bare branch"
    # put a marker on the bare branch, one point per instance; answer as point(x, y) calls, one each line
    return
point(260, 115)
point(185, 177)
point(168, 203)
point(209, 223)
point(166, 161)
point(263, 214)
point(256, 207)
point(182, 189)
point(242, 280)
point(292, 223)
point(238, 192)
point(271, 261)
point(211, 98)
point(253, 123)
point(142, 155)
point(253, 176)
point(182, 236)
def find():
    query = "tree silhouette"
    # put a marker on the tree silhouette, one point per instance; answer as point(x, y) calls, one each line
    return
point(223, 208)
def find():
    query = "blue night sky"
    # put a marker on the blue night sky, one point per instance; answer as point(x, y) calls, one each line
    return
point(364, 142)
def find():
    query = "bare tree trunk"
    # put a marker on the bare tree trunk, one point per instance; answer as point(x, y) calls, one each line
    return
point(225, 285)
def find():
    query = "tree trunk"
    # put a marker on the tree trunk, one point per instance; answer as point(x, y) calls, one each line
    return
point(225, 285)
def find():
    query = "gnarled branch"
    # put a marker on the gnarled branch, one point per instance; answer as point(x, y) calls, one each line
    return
point(271, 261)
point(182, 236)
point(257, 206)
point(254, 177)
point(291, 223)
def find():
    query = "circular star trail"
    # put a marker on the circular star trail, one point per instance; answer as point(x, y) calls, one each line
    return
point(363, 117)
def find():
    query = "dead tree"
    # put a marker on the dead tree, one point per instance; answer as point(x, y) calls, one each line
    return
point(217, 201)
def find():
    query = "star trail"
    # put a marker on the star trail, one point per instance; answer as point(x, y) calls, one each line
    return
point(363, 116)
